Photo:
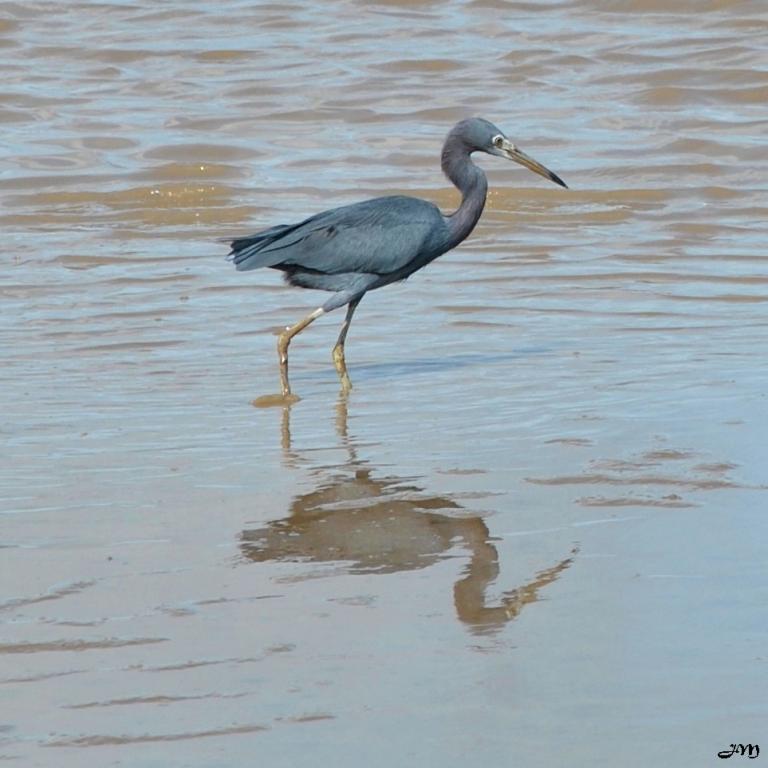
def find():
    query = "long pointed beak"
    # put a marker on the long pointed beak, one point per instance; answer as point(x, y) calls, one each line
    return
point(513, 153)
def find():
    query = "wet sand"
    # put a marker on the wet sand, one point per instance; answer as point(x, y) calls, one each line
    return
point(533, 532)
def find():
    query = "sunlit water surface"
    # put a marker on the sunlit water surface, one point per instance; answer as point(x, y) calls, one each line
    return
point(534, 533)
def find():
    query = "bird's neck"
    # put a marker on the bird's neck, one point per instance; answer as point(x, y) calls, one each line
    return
point(471, 182)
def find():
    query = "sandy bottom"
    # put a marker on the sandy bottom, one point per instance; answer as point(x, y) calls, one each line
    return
point(337, 583)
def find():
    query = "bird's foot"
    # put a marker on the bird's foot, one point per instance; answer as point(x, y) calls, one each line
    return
point(273, 401)
point(341, 368)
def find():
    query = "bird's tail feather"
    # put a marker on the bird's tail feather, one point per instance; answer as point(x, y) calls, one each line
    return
point(247, 252)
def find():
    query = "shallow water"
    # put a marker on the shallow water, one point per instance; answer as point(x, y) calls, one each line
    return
point(535, 529)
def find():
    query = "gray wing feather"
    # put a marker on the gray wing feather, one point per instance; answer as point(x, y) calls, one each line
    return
point(377, 237)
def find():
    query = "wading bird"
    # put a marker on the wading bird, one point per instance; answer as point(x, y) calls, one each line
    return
point(356, 248)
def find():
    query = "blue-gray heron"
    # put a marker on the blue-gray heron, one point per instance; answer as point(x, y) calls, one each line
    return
point(356, 248)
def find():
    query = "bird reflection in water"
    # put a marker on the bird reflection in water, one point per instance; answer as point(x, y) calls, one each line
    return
point(374, 524)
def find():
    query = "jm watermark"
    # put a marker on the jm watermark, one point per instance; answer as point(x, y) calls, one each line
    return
point(742, 750)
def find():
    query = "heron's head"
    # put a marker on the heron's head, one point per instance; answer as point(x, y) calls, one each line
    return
point(482, 136)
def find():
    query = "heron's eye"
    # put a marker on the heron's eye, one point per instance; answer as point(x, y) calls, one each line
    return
point(498, 141)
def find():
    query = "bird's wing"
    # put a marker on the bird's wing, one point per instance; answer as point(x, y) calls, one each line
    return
point(378, 236)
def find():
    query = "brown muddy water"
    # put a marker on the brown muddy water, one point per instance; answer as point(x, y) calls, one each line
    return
point(534, 534)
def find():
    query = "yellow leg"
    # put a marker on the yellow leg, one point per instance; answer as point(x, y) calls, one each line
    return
point(282, 348)
point(338, 350)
